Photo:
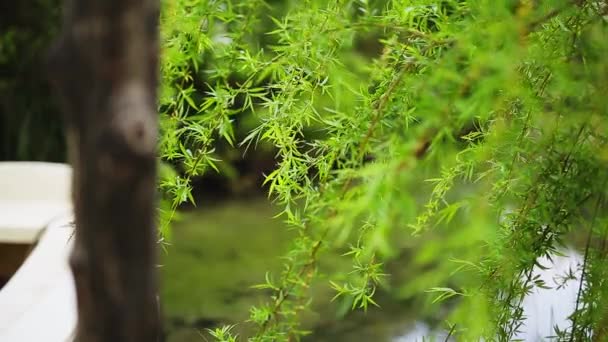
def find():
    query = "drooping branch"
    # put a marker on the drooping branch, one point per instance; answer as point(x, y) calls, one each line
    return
point(104, 68)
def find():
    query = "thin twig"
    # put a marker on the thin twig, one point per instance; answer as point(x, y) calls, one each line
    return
point(452, 329)
point(584, 269)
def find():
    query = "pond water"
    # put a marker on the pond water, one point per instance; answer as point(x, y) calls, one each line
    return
point(217, 254)
point(547, 308)
point(544, 309)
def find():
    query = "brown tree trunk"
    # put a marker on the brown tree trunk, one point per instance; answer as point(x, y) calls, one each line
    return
point(104, 67)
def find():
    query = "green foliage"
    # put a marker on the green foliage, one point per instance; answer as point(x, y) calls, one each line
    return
point(223, 334)
point(477, 127)
point(30, 122)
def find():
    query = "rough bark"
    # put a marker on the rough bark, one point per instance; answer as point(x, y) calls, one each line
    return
point(104, 68)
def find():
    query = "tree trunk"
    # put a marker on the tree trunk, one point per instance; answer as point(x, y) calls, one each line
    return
point(104, 68)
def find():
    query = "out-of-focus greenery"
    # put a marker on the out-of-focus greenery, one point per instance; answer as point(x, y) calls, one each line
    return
point(30, 123)
point(216, 255)
point(478, 127)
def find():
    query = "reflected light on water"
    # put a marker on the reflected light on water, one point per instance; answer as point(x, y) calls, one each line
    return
point(543, 308)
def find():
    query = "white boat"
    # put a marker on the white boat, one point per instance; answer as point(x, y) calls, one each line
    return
point(38, 303)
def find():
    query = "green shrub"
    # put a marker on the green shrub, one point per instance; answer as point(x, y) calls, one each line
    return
point(477, 127)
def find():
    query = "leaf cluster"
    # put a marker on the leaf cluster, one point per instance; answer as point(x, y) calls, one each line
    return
point(476, 129)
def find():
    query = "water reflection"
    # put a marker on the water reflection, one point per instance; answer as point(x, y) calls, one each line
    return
point(544, 309)
point(421, 332)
